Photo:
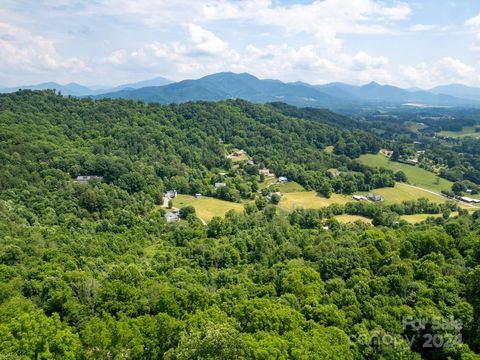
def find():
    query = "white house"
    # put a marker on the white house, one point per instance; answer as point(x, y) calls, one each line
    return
point(171, 194)
point(171, 216)
point(282, 179)
point(219, 185)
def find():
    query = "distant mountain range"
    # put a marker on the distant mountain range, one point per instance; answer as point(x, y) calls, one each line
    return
point(227, 85)
point(74, 89)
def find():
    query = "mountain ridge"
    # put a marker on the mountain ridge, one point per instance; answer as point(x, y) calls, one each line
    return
point(229, 85)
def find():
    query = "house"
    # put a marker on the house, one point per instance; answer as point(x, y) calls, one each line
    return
point(387, 153)
point(265, 172)
point(222, 174)
point(198, 195)
point(335, 172)
point(469, 200)
point(374, 197)
point(84, 179)
point(360, 198)
point(172, 216)
point(280, 195)
point(239, 152)
point(282, 179)
point(219, 185)
point(250, 162)
point(411, 161)
point(469, 191)
point(171, 194)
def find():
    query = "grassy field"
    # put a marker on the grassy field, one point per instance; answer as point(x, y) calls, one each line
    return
point(206, 207)
point(415, 126)
point(311, 200)
point(418, 217)
point(422, 217)
point(345, 218)
point(242, 157)
point(416, 175)
point(466, 131)
point(402, 192)
point(269, 181)
point(290, 187)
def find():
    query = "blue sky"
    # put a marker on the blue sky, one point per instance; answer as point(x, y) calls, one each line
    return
point(109, 42)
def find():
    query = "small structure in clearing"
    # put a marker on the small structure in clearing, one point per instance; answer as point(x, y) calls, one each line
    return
point(265, 172)
point(171, 194)
point(282, 179)
point(469, 200)
point(172, 216)
point(360, 198)
point(84, 179)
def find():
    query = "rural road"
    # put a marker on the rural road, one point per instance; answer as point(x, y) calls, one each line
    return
point(435, 193)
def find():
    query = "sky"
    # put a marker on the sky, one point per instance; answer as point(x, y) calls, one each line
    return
point(422, 43)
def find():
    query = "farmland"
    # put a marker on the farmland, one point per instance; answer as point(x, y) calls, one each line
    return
point(416, 175)
point(345, 219)
point(466, 132)
point(311, 200)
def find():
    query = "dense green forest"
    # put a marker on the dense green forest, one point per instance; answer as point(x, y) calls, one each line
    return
point(93, 271)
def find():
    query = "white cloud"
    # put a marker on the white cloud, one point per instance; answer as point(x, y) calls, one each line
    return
point(21, 50)
point(475, 46)
point(324, 19)
point(422, 27)
point(473, 21)
point(205, 42)
point(444, 71)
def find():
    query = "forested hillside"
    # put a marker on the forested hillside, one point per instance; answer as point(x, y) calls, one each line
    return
point(93, 271)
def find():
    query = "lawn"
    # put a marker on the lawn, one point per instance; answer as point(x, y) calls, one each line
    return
point(416, 175)
point(269, 181)
point(311, 200)
point(422, 217)
point(345, 218)
point(466, 131)
point(290, 187)
point(206, 207)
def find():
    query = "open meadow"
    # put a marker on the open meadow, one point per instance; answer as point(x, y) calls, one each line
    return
point(416, 175)
point(311, 200)
point(207, 207)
